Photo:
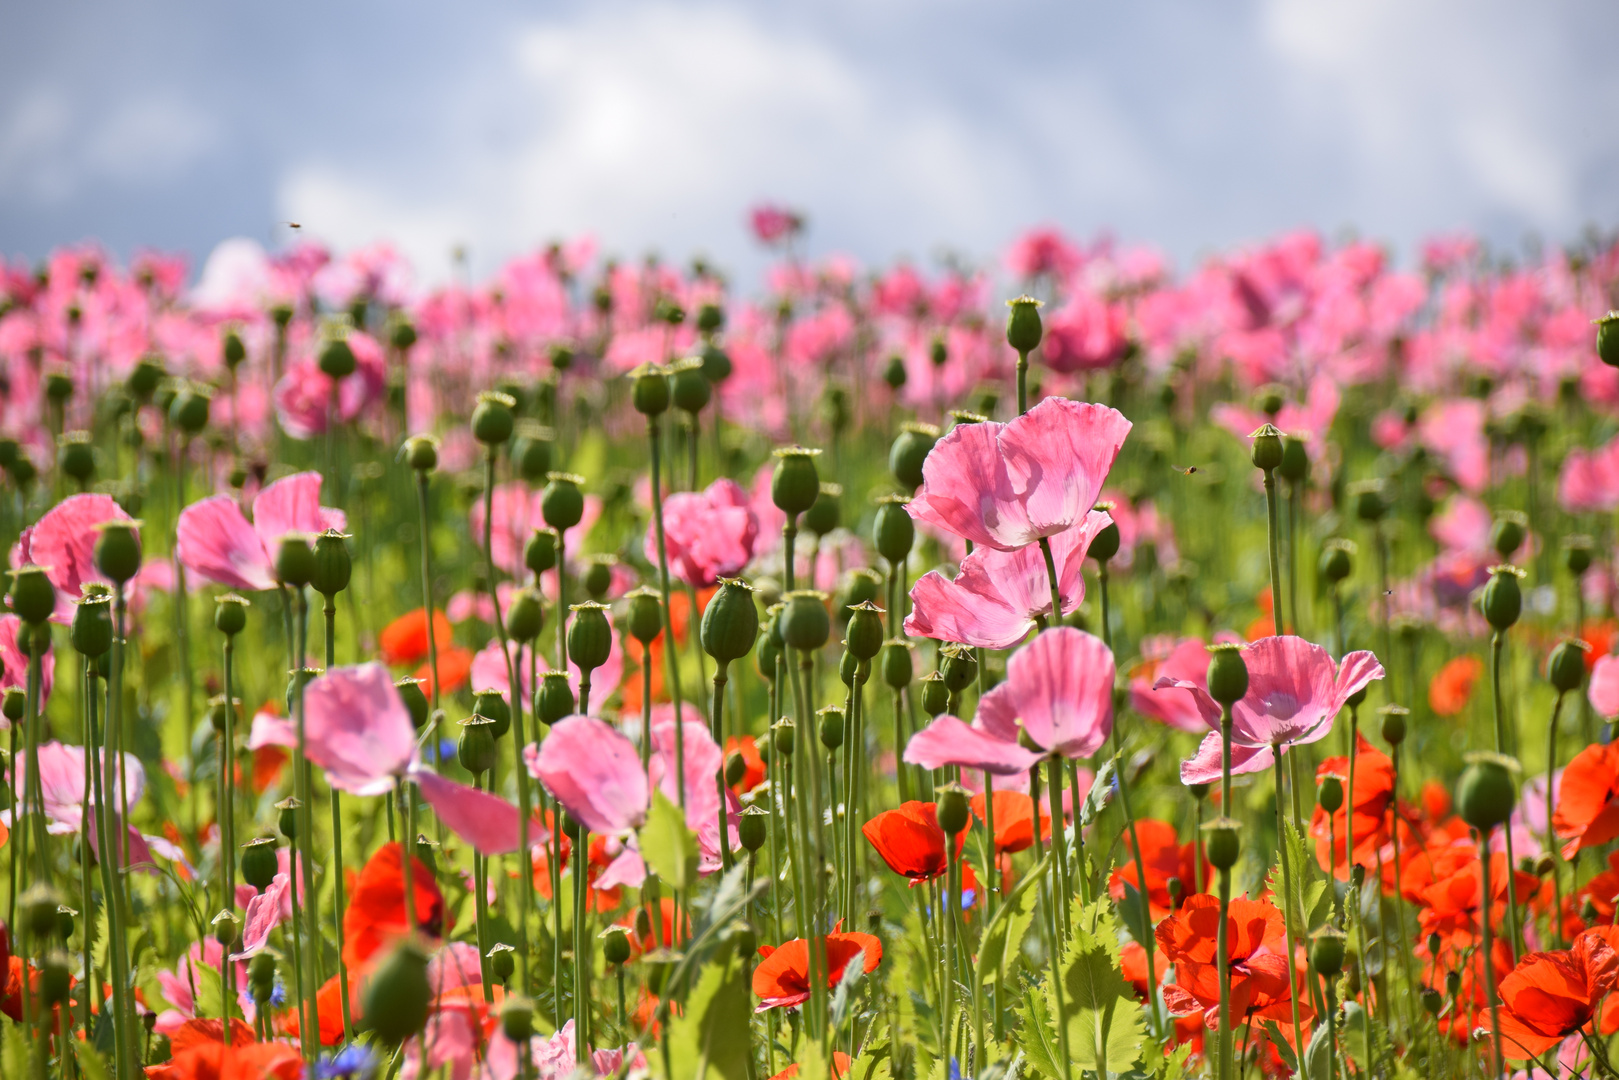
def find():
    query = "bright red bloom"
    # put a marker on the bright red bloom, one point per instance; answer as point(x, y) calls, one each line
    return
point(1256, 949)
point(647, 934)
point(403, 642)
point(1369, 802)
point(1162, 857)
point(1014, 820)
point(1587, 811)
point(910, 841)
point(454, 667)
point(239, 1061)
point(1551, 995)
point(840, 1067)
point(376, 913)
point(1451, 688)
point(754, 773)
point(1451, 904)
point(783, 978)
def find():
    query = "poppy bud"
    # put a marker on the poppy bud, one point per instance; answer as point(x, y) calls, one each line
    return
point(556, 697)
point(259, 862)
point(144, 377)
point(1199, 791)
point(1485, 794)
point(491, 705)
point(952, 808)
point(935, 696)
point(894, 373)
point(1502, 600)
point(730, 622)
point(1453, 983)
point(896, 663)
point(1608, 338)
point(909, 451)
point(959, 666)
point(75, 457)
point(230, 614)
point(643, 614)
point(827, 512)
point(562, 504)
point(1267, 449)
point(540, 553)
point(832, 725)
point(782, 735)
point(805, 624)
point(1432, 1001)
point(753, 827)
point(938, 351)
point(492, 419)
point(219, 712)
point(864, 636)
point(1508, 533)
point(91, 632)
point(689, 389)
point(1228, 674)
point(615, 945)
point(531, 451)
point(333, 566)
point(227, 929)
point(1221, 843)
point(420, 452)
point(1336, 562)
point(38, 913)
point(55, 977)
point(1577, 554)
point(415, 699)
point(1174, 887)
point(1329, 795)
point(1566, 668)
point(649, 390)
point(1023, 329)
point(736, 767)
point(1105, 544)
point(32, 596)
point(1327, 951)
point(1370, 505)
point(398, 993)
point(475, 749)
point(189, 410)
point(526, 618)
point(1295, 464)
point(231, 348)
point(295, 560)
point(501, 966)
point(859, 587)
point(336, 357)
point(795, 484)
point(261, 974)
point(848, 668)
point(1393, 723)
point(590, 636)
point(598, 576)
point(287, 819)
point(13, 702)
point(517, 1018)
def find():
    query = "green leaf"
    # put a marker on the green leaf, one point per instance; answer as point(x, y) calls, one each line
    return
point(1100, 794)
point(1038, 1043)
point(1103, 1017)
point(669, 848)
point(91, 1063)
point(1301, 902)
point(1354, 1035)
point(914, 1026)
point(843, 996)
point(1318, 1055)
point(1174, 1067)
point(14, 1053)
point(708, 1039)
point(1003, 937)
point(1137, 915)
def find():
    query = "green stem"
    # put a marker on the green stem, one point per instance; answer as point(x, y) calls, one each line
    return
point(306, 839)
point(1224, 961)
point(718, 726)
point(1551, 835)
point(1049, 925)
point(1022, 383)
point(1287, 891)
point(1488, 959)
point(1273, 531)
point(424, 526)
point(1051, 579)
point(111, 828)
point(670, 652)
point(329, 612)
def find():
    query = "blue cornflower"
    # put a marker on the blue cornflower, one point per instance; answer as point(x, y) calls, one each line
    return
point(353, 1062)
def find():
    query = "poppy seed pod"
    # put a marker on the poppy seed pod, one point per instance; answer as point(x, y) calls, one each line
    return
point(831, 726)
point(517, 1018)
point(736, 768)
point(909, 451)
point(894, 373)
point(896, 664)
point(230, 614)
point(861, 586)
point(590, 635)
point(295, 560)
point(753, 827)
point(415, 698)
point(848, 668)
point(297, 680)
point(669, 312)
point(1566, 668)
point(540, 553)
point(39, 905)
point(1327, 951)
point(13, 703)
point(1023, 329)
point(491, 705)
point(782, 736)
point(91, 632)
point(144, 377)
point(1221, 843)
point(766, 655)
point(689, 390)
point(717, 364)
point(1608, 338)
point(333, 566)
point(403, 334)
point(805, 624)
point(75, 457)
point(1329, 794)
point(710, 318)
point(336, 357)
point(287, 817)
point(227, 929)
point(189, 410)
point(894, 532)
point(492, 419)
point(231, 348)
point(55, 978)
point(33, 597)
point(219, 712)
point(1355, 699)
point(531, 451)
point(420, 452)
point(1228, 674)
point(1295, 464)
point(526, 618)
point(952, 808)
point(1432, 1001)
point(935, 697)
point(643, 614)
point(649, 390)
point(1370, 505)
point(1393, 721)
point(556, 697)
point(864, 636)
point(1577, 554)
point(598, 576)
point(562, 504)
point(1105, 544)
point(958, 664)
point(616, 945)
point(398, 994)
point(1337, 560)
point(827, 512)
point(1508, 532)
point(501, 965)
point(1485, 794)
point(1502, 599)
point(730, 622)
point(475, 749)
point(795, 484)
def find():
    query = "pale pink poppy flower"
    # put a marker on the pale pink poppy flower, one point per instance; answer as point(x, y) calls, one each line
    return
point(1186, 661)
point(708, 534)
point(1086, 334)
point(452, 1044)
point(481, 818)
point(773, 224)
point(1589, 481)
point(516, 514)
point(1007, 485)
point(263, 912)
point(14, 665)
point(176, 985)
point(1058, 691)
point(357, 729)
point(1310, 420)
point(215, 542)
point(1454, 430)
point(703, 760)
point(63, 543)
point(61, 781)
point(993, 601)
point(1043, 251)
point(594, 771)
point(1295, 691)
point(303, 397)
point(1603, 690)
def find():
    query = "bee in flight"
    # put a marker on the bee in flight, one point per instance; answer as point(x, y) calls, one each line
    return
point(1184, 470)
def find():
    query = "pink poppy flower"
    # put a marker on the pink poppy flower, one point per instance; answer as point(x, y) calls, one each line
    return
point(489, 670)
point(1058, 690)
point(1310, 421)
point(357, 729)
point(994, 599)
point(63, 543)
point(1188, 661)
point(1589, 482)
point(217, 543)
point(1603, 691)
point(594, 771)
point(774, 224)
point(708, 534)
point(485, 820)
point(61, 781)
point(263, 913)
point(14, 665)
point(303, 397)
point(1007, 485)
point(1295, 691)
point(177, 984)
point(516, 515)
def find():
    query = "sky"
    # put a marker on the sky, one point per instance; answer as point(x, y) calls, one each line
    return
point(913, 129)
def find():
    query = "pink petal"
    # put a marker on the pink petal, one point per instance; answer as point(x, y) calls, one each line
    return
point(358, 729)
point(949, 741)
point(14, 665)
point(594, 771)
point(484, 820)
point(290, 505)
point(1059, 454)
point(1604, 688)
point(627, 869)
point(702, 759)
point(1204, 766)
point(263, 915)
point(1062, 684)
point(271, 730)
point(215, 542)
point(64, 543)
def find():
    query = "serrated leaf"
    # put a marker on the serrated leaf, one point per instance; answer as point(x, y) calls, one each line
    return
point(1284, 1049)
point(1136, 914)
point(1300, 901)
point(1003, 937)
point(1101, 793)
point(706, 1039)
point(1174, 1067)
point(1038, 1043)
point(1318, 1055)
point(914, 1033)
point(669, 848)
point(1103, 1017)
point(1354, 1035)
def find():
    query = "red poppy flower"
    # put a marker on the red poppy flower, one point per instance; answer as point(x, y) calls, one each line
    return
point(1551, 995)
point(1587, 811)
point(454, 666)
point(644, 929)
point(239, 1061)
point(754, 773)
point(1600, 891)
point(1014, 820)
point(1369, 802)
point(841, 1063)
point(1162, 858)
point(910, 841)
point(1600, 636)
point(597, 860)
point(1451, 688)
point(783, 978)
point(403, 642)
point(1262, 978)
point(329, 1008)
point(200, 1032)
point(1451, 904)
point(376, 912)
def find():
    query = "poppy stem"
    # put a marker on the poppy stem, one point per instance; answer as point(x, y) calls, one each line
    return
point(1221, 953)
point(1022, 387)
point(87, 696)
point(1059, 847)
point(721, 677)
point(670, 652)
point(329, 612)
point(1488, 959)
point(1293, 515)
point(306, 829)
point(1225, 759)
point(1273, 531)
point(110, 825)
point(1497, 641)
point(581, 945)
point(1551, 835)
point(1056, 592)
point(425, 529)
point(1287, 896)
point(1049, 925)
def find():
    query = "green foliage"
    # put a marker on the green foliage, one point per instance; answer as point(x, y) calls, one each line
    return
point(669, 848)
point(1003, 937)
point(1311, 896)
point(705, 1040)
point(92, 1063)
point(1103, 1016)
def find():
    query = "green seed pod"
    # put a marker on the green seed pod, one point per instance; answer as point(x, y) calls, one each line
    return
point(1105, 544)
point(501, 966)
point(909, 451)
point(1508, 532)
point(1608, 338)
point(598, 576)
point(649, 390)
point(189, 410)
point(556, 697)
point(91, 632)
point(935, 697)
point(33, 597)
point(296, 681)
point(952, 807)
point(562, 504)
point(894, 373)
point(643, 614)
point(766, 655)
point(1337, 560)
point(526, 618)
point(336, 357)
point(717, 366)
point(1267, 448)
point(1221, 842)
point(1432, 1001)
point(13, 703)
point(1228, 674)
point(730, 622)
point(1577, 554)
point(1393, 721)
point(1329, 794)
point(531, 451)
point(38, 914)
point(475, 749)
point(1566, 668)
point(295, 560)
point(230, 614)
point(540, 553)
point(848, 668)
point(333, 566)
point(491, 705)
point(144, 377)
point(832, 724)
point(861, 586)
point(398, 994)
point(55, 978)
point(897, 667)
point(753, 827)
point(590, 635)
point(415, 699)
point(1269, 399)
point(1327, 951)
point(1485, 794)
point(420, 452)
point(75, 457)
point(1370, 504)
point(710, 319)
point(402, 335)
point(1295, 466)
point(1502, 600)
point(24, 472)
point(287, 817)
point(864, 636)
point(1023, 328)
point(516, 1017)
point(261, 973)
point(492, 419)
point(894, 532)
point(689, 390)
point(781, 733)
point(959, 666)
point(227, 929)
point(561, 355)
point(795, 484)
point(616, 945)
point(736, 769)
point(219, 712)
point(805, 625)
point(827, 512)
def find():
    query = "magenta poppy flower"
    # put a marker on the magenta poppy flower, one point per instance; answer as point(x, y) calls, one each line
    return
point(994, 599)
point(14, 665)
point(1007, 485)
point(357, 729)
point(215, 542)
point(1589, 481)
point(593, 771)
point(1058, 690)
point(483, 819)
point(1603, 691)
point(708, 534)
point(1187, 662)
point(63, 543)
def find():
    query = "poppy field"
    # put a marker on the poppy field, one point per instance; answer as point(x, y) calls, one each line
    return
point(1063, 668)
